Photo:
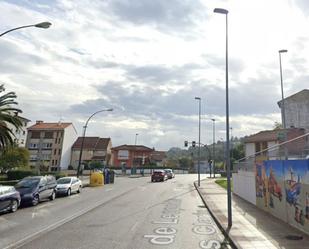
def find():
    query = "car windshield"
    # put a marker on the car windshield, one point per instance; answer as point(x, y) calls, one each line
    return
point(64, 181)
point(28, 183)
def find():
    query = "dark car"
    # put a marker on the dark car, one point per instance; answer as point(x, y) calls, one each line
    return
point(170, 173)
point(9, 199)
point(33, 189)
point(158, 175)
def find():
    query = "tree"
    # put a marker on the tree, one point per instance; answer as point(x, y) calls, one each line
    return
point(14, 157)
point(277, 126)
point(8, 116)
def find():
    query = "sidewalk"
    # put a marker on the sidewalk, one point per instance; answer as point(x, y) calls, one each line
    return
point(252, 227)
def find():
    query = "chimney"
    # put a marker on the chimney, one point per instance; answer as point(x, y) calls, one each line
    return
point(39, 122)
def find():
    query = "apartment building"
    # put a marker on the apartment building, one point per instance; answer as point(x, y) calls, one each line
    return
point(50, 145)
point(95, 149)
point(131, 155)
point(20, 135)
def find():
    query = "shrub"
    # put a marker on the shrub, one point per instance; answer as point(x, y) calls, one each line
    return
point(57, 175)
point(19, 174)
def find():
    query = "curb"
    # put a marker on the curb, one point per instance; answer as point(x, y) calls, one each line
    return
point(225, 233)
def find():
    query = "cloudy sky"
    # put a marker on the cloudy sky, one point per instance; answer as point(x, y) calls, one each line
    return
point(148, 59)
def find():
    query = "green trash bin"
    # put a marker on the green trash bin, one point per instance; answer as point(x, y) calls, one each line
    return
point(111, 176)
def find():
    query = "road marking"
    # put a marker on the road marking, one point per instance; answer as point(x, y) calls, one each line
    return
point(30, 237)
point(134, 226)
point(108, 189)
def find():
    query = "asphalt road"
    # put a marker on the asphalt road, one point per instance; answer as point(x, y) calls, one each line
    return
point(133, 213)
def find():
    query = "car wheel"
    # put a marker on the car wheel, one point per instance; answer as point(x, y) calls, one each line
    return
point(79, 189)
point(35, 200)
point(14, 206)
point(53, 196)
point(69, 192)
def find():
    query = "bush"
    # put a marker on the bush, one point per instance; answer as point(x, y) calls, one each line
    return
point(57, 175)
point(19, 174)
point(9, 183)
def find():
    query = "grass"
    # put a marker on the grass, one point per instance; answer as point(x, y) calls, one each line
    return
point(223, 183)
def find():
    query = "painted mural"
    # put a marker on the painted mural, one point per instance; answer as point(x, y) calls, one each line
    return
point(282, 189)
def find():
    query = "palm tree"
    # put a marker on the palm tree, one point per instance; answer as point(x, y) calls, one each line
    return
point(8, 117)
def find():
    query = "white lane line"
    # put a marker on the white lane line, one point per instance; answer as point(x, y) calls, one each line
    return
point(134, 226)
point(29, 238)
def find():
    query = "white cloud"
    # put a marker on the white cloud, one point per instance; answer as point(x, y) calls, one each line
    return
point(149, 59)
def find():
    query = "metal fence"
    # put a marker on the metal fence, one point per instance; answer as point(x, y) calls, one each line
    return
point(292, 149)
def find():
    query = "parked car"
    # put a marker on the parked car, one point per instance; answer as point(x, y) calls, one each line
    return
point(9, 199)
point(33, 189)
point(170, 173)
point(158, 175)
point(68, 185)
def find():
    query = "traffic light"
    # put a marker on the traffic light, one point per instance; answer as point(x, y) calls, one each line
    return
point(186, 143)
point(193, 143)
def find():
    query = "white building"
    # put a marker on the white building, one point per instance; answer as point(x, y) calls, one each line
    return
point(50, 144)
point(20, 134)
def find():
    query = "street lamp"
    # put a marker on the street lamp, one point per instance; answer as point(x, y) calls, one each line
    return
point(227, 151)
point(199, 141)
point(43, 25)
point(83, 138)
point(213, 145)
point(282, 95)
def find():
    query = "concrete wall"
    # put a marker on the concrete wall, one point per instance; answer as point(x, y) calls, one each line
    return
point(69, 137)
point(297, 110)
point(244, 185)
point(249, 149)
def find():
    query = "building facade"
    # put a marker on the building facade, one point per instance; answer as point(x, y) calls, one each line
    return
point(20, 135)
point(297, 110)
point(263, 145)
point(50, 145)
point(95, 149)
point(131, 155)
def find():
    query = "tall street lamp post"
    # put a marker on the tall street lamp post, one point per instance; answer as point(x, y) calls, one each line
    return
point(227, 151)
point(43, 25)
point(213, 145)
point(83, 139)
point(283, 105)
point(282, 95)
point(199, 141)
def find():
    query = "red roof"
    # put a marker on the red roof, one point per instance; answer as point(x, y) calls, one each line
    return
point(94, 143)
point(133, 147)
point(49, 126)
point(272, 135)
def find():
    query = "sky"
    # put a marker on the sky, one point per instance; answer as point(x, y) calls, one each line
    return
point(148, 60)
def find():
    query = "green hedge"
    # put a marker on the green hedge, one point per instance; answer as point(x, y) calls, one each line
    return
point(20, 174)
point(57, 175)
point(9, 183)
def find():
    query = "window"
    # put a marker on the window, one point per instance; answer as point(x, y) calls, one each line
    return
point(56, 162)
point(53, 162)
point(35, 134)
point(59, 152)
point(55, 151)
point(47, 145)
point(32, 146)
point(22, 141)
point(24, 132)
point(48, 134)
point(33, 157)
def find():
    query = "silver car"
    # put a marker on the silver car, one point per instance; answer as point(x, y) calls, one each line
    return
point(68, 185)
point(170, 173)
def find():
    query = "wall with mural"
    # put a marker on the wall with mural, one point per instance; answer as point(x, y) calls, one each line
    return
point(282, 189)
